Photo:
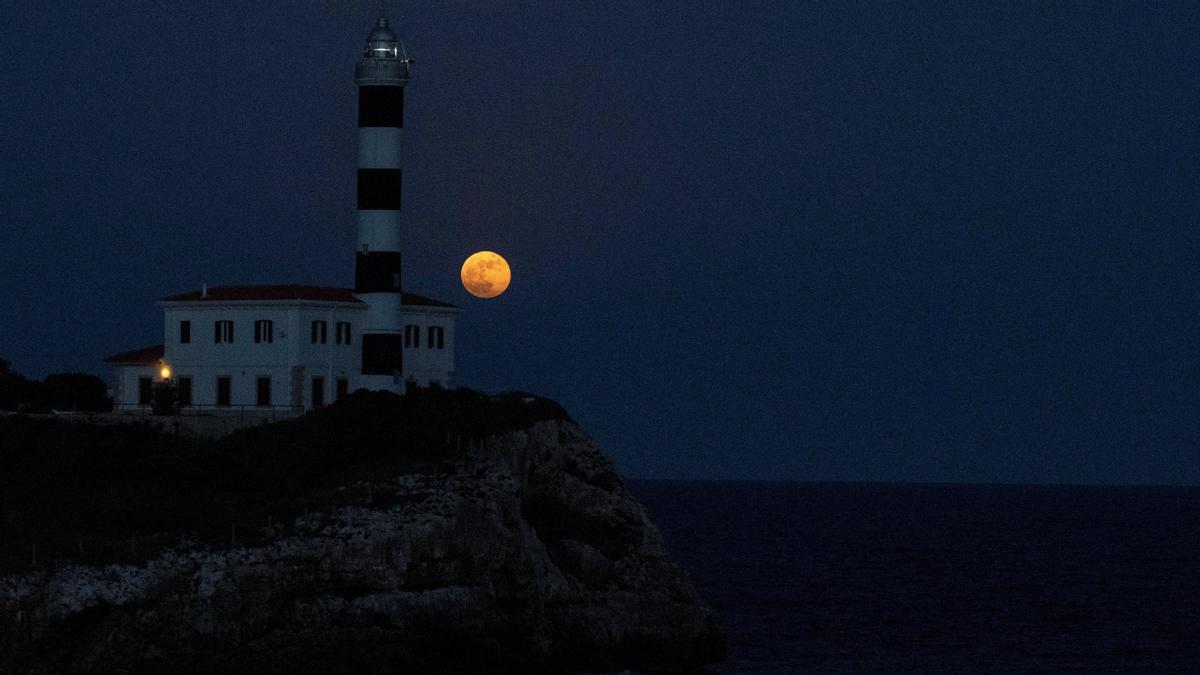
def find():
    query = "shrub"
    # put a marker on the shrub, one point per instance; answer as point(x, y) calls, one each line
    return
point(78, 489)
point(77, 391)
point(59, 391)
point(165, 398)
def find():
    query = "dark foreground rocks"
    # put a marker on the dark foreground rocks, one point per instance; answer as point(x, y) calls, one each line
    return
point(519, 552)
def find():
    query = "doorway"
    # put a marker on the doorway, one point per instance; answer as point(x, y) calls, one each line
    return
point(318, 392)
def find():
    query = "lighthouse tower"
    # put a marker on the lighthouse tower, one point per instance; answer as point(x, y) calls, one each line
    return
point(381, 75)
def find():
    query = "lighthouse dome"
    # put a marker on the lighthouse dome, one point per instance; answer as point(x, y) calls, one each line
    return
point(381, 32)
point(382, 41)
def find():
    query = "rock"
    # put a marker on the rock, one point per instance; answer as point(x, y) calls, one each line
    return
point(529, 555)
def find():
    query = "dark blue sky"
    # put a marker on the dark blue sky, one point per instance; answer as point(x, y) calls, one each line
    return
point(877, 241)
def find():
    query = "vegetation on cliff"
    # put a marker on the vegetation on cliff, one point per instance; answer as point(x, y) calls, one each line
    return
point(442, 531)
point(59, 391)
point(119, 493)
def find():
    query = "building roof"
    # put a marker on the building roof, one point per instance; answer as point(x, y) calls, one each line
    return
point(407, 298)
point(286, 292)
point(381, 32)
point(138, 357)
point(292, 292)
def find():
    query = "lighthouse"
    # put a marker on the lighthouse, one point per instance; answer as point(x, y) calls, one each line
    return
point(381, 75)
point(281, 349)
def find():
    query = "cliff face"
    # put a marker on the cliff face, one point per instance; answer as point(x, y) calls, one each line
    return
point(526, 553)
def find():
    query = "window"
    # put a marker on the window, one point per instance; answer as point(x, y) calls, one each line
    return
point(263, 397)
point(320, 332)
point(264, 330)
point(437, 337)
point(184, 385)
point(318, 392)
point(224, 391)
point(222, 331)
point(185, 332)
point(145, 391)
point(412, 336)
point(343, 387)
point(343, 332)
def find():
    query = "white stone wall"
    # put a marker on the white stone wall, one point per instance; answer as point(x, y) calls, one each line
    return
point(424, 365)
point(125, 383)
point(291, 361)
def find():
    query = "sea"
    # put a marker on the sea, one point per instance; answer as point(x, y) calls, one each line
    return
point(887, 578)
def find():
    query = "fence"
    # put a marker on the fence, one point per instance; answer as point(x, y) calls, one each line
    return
point(252, 412)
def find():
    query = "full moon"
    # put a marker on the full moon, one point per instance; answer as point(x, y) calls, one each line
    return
point(485, 274)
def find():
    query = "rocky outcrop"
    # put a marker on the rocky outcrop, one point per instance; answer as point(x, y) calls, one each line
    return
point(528, 554)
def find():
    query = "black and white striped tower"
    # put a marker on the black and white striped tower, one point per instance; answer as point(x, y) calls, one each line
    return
point(380, 75)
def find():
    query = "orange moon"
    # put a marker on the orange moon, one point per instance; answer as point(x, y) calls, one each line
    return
point(485, 274)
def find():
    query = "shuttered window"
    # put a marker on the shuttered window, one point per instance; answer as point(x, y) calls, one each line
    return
point(264, 330)
point(437, 338)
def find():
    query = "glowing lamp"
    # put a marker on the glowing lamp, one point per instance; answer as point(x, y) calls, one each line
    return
point(165, 372)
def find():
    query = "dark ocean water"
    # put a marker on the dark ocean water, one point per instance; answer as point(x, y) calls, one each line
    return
point(819, 577)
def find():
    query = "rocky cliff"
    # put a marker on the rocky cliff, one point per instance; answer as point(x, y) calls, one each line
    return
point(519, 550)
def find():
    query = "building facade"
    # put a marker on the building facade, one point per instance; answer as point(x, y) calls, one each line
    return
point(295, 346)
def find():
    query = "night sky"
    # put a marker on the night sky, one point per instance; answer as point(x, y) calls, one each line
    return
point(822, 241)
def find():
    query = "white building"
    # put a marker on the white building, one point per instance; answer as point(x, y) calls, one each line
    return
point(298, 347)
